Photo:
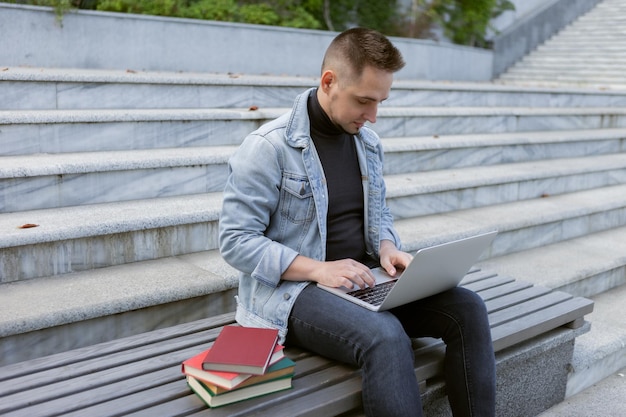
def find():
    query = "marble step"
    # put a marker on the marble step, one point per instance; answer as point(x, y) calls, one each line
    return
point(556, 73)
point(603, 16)
point(571, 63)
point(599, 48)
point(587, 40)
point(425, 193)
point(579, 57)
point(599, 16)
point(57, 313)
point(599, 258)
point(524, 225)
point(62, 180)
point(55, 131)
point(559, 84)
point(590, 58)
point(426, 153)
point(43, 181)
point(67, 89)
point(562, 80)
point(597, 79)
point(602, 351)
point(88, 237)
point(575, 71)
point(606, 34)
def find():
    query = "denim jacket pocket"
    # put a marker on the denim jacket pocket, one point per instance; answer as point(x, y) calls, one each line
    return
point(297, 204)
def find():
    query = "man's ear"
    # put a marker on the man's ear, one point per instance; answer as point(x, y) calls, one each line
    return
point(328, 79)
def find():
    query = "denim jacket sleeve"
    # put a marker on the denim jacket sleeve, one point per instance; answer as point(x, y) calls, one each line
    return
point(251, 196)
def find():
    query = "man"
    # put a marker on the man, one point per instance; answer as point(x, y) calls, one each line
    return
point(305, 202)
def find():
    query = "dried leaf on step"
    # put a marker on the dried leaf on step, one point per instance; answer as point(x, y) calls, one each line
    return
point(28, 226)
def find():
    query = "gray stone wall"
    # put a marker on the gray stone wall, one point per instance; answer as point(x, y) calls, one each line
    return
point(31, 36)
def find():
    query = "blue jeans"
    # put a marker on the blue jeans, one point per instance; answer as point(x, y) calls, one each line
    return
point(379, 344)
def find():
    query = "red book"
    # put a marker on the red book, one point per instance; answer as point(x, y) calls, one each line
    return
point(240, 349)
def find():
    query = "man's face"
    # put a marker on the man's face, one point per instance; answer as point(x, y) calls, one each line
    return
point(350, 104)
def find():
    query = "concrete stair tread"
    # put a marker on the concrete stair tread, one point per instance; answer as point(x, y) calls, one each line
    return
point(550, 59)
point(78, 75)
point(573, 71)
point(22, 166)
point(133, 115)
point(41, 303)
point(160, 115)
point(511, 218)
point(592, 84)
point(105, 219)
point(27, 89)
point(90, 75)
point(435, 181)
point(431, 142)
point(565, 264)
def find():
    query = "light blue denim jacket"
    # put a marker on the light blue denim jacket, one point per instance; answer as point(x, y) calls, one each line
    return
point(275, 207)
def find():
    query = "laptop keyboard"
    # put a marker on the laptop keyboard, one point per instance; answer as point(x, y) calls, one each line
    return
point(374, 295)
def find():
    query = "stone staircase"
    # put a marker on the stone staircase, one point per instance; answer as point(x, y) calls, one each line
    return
point(121, 174)
point(589, 52)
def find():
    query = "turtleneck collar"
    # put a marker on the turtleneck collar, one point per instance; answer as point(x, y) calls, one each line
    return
point(321, 125)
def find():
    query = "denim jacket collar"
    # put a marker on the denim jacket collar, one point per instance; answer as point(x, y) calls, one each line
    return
point(297, 132)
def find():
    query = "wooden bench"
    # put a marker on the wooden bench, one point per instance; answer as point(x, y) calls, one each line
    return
point(533, 330)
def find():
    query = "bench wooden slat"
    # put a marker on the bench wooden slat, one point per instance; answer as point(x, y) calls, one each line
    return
point(336, 399)
point(159, 397)
point(82, 391)
point(527, 307)
point(502, 290)
point(514, 297)
point(10, 372)
point(540, 322)
point(104, 371)
point(476, 275)
point(487, 283)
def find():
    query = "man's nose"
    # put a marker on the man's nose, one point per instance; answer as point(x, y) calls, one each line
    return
point(370, 113)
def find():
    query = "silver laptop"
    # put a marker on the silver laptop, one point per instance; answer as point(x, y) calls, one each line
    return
point(433, 270)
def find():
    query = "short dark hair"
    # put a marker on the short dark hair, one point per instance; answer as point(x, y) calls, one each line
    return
point(359, 47)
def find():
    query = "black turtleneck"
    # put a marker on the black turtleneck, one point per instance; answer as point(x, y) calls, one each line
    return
point(337, 153)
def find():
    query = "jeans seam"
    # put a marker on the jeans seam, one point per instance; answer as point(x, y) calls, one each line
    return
point(464, 357)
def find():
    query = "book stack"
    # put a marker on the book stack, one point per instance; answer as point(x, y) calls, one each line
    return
point(243, 363)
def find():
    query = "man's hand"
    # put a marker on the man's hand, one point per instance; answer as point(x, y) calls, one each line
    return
point(344, 272)
point(391, 258)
